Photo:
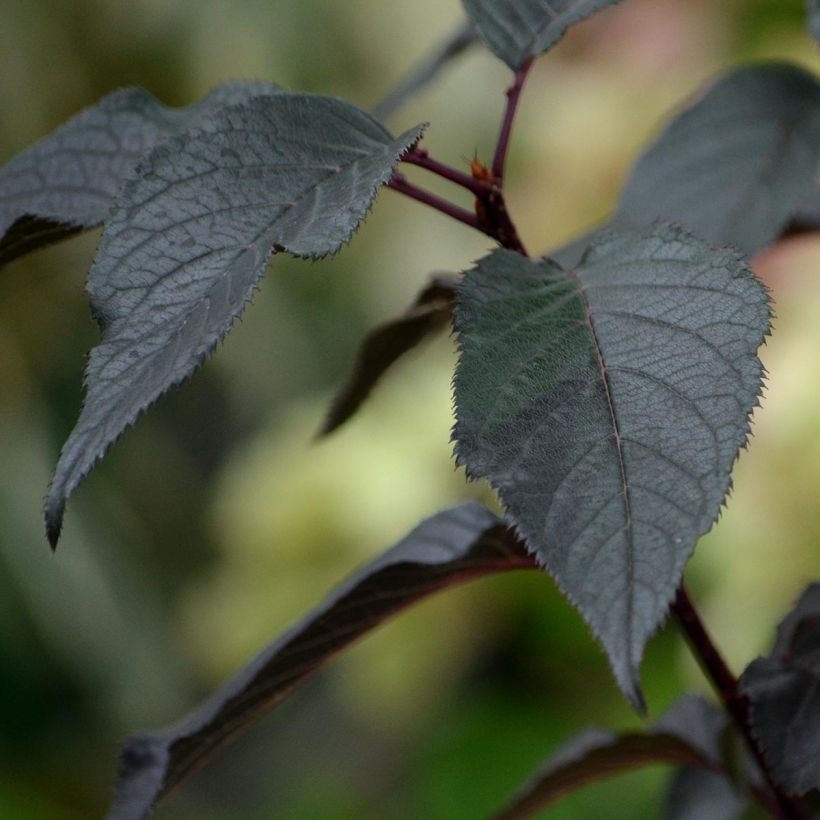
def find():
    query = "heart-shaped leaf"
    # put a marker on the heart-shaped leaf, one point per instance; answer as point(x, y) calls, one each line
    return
point(518, 30)
point(594, 754)
point(784, 695)
point(734, 167)
point(449, 548)
point(191, 236)
point(68, 181)
point(388, 342)
point(606, 406)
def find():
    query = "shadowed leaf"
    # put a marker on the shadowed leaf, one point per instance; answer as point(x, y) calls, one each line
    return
point(784, 693)
point(607, 406)
point(451, 547)
point(735, 166)
point(191, 236)
point(594, 754)
point(518, 30)
point(68, 181)
point(388, 342)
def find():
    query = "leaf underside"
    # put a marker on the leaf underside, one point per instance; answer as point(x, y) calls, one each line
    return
point(385, 344)
point(191, 235)
point(451, 547)
point(518, 30)
point(735, 166)
point(607, 406)
point(593, 754)
point(68, 181)
point(784, 693)
point(701, 794)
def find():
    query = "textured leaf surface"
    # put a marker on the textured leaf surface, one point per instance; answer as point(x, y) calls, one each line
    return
point(385, 344)
point(594, 754)
point(735, 166)
point(190, 238)
point(784, 691)
point(451, 547)
point(518, 30)
point(68, 181)
point(700, 794)
point(607, 405)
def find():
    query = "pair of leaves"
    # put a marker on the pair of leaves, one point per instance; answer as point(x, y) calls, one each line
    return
point(784, 694)
point(449, 548)
point(688, 735)
point(606, 405)
point(255, 170)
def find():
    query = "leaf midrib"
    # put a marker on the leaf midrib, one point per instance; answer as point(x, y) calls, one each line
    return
point(602, 370)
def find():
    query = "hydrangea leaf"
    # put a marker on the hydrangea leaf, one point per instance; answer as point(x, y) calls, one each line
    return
point(607, 405)
point(191, 236)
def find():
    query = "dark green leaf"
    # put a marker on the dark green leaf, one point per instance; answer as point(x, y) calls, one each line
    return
point(68, 181)
point(735, 166)
point(385, 344)
point(784, 692)
point(607, 407)
point(518, 30)
point(701, 794)
point(813, 12)
point(191, 236)
point(451, 547)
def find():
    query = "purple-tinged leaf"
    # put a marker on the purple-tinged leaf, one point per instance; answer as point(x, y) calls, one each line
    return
point(191, 236)
point(595, 754)
point(518, 30)
point(607, 406)
point(784, 695)
point(449, 548)
point(734, 167)
point(388, 342)
point(68, 181)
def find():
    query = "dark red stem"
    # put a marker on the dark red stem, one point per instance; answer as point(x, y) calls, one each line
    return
point(400, 184)
point(735, 703)
point(422, 159)
point(513, 95)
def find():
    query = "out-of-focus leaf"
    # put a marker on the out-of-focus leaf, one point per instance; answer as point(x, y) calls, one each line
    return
point(701, 794)
point(813, 12)
point(683, 735)
point(607, 406)
point(784, 694)
point(451, 547)
point(68, 181)
point(735, 166)
point(191, 236)
point(388, 342)
point(518, 30)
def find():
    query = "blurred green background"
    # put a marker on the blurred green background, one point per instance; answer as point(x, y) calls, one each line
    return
point(217, 521)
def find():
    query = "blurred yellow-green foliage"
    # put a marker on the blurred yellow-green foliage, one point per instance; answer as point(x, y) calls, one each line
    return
point(216, 521)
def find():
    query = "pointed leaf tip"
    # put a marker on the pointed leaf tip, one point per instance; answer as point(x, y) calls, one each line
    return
point(607, 406)
point(184, 249)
